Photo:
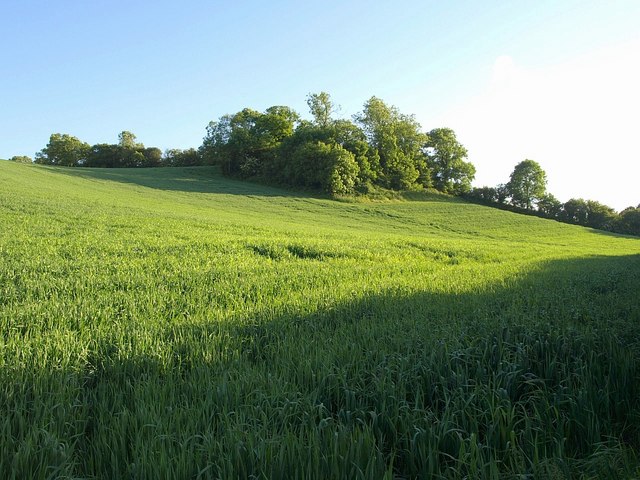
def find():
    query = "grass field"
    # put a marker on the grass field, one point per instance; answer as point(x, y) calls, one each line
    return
point(171, 323)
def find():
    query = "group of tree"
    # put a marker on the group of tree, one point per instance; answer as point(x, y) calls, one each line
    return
point(379, 147)
point(69, 151)
point(21, 159)
point(526, 191)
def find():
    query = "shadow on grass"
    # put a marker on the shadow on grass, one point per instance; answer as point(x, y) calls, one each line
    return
point(183, 179)
point(210, 180)
point(535, 379)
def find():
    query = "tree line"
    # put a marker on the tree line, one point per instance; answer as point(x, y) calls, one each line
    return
point(69, 151)
point(379, 147)
point(526, 192)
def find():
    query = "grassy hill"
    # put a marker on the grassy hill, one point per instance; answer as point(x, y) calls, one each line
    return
point(172, 323)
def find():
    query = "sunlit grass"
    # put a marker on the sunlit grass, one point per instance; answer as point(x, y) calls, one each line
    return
point(170, 323)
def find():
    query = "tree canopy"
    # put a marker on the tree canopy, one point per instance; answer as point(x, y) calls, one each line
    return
point(527, 185)
point(64, 150)
point(67, 150)
point(446, 159)
point(398, 140)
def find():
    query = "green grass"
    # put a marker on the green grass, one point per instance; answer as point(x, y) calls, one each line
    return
point(171, 323)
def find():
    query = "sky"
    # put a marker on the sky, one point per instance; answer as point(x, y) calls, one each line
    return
point(556, 81)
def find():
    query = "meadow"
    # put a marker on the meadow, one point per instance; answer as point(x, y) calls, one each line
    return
point(173, 323)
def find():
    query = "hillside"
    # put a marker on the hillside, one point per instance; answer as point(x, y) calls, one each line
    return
point(173, 323)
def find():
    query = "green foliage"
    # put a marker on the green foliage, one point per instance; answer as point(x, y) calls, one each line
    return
point(66, 150)
point(21, 159)
point(502, 193)
point(575, 210)
point(388, 148)
point(398, 141)
point(127, 140)
point(181, 158)
point(173, 323)
point(342, 168)
point(104, 155)
point(628, 221)
point(152, 157)
point(327, 167)
point(485, 194)
point(63, 150)
point(599, 215)
point(451, 173)
point(246, 143)
point(527, 185)
point(321, 108)
point(550, 206)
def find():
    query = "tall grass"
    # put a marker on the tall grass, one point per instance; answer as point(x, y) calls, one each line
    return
point(169, 323)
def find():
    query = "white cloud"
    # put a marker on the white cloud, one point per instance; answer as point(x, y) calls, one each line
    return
point(580, 120)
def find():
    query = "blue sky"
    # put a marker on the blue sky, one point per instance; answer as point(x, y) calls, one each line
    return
point(511, 78)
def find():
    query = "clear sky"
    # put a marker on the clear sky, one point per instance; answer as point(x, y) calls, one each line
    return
point(554, 81)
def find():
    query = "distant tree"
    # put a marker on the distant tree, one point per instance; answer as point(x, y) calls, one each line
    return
point(484, 194)
point(399, 142)
point(576, 211)
point(502, 193)
point(181, 158)
point(446, 158)
point(321, 108)
point(628, 221)
point(152, 157)
point(103, 155)
point(527, 185)
point(215, 143)
point(347, 134)
point(246, 143)
point(64, 150)
point(127, 139)
point(328, 167)
point(599, 215)
point(550, 206)
point(21, 159)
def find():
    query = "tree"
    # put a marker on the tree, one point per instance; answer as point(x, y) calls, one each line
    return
point(214, 145)
point(575, 210)
point(446, 159)
point(399, 141)
point(152, 157)
point(247, 142)
point(21, 159)
point(502, 193)
point(527, 184)
point(347, 134)
point(599, 215)
point(484, 194)
point(128, 140)
point(324, 166)
point(550, 206)
point(628, 221)
point(64, 150)
point(181, 158)
point(103, 155)
point(321, 108)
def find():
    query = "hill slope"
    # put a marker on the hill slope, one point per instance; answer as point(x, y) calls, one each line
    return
point(174, 323)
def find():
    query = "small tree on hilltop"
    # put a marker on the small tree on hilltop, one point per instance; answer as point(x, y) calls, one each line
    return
point(527, 184)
